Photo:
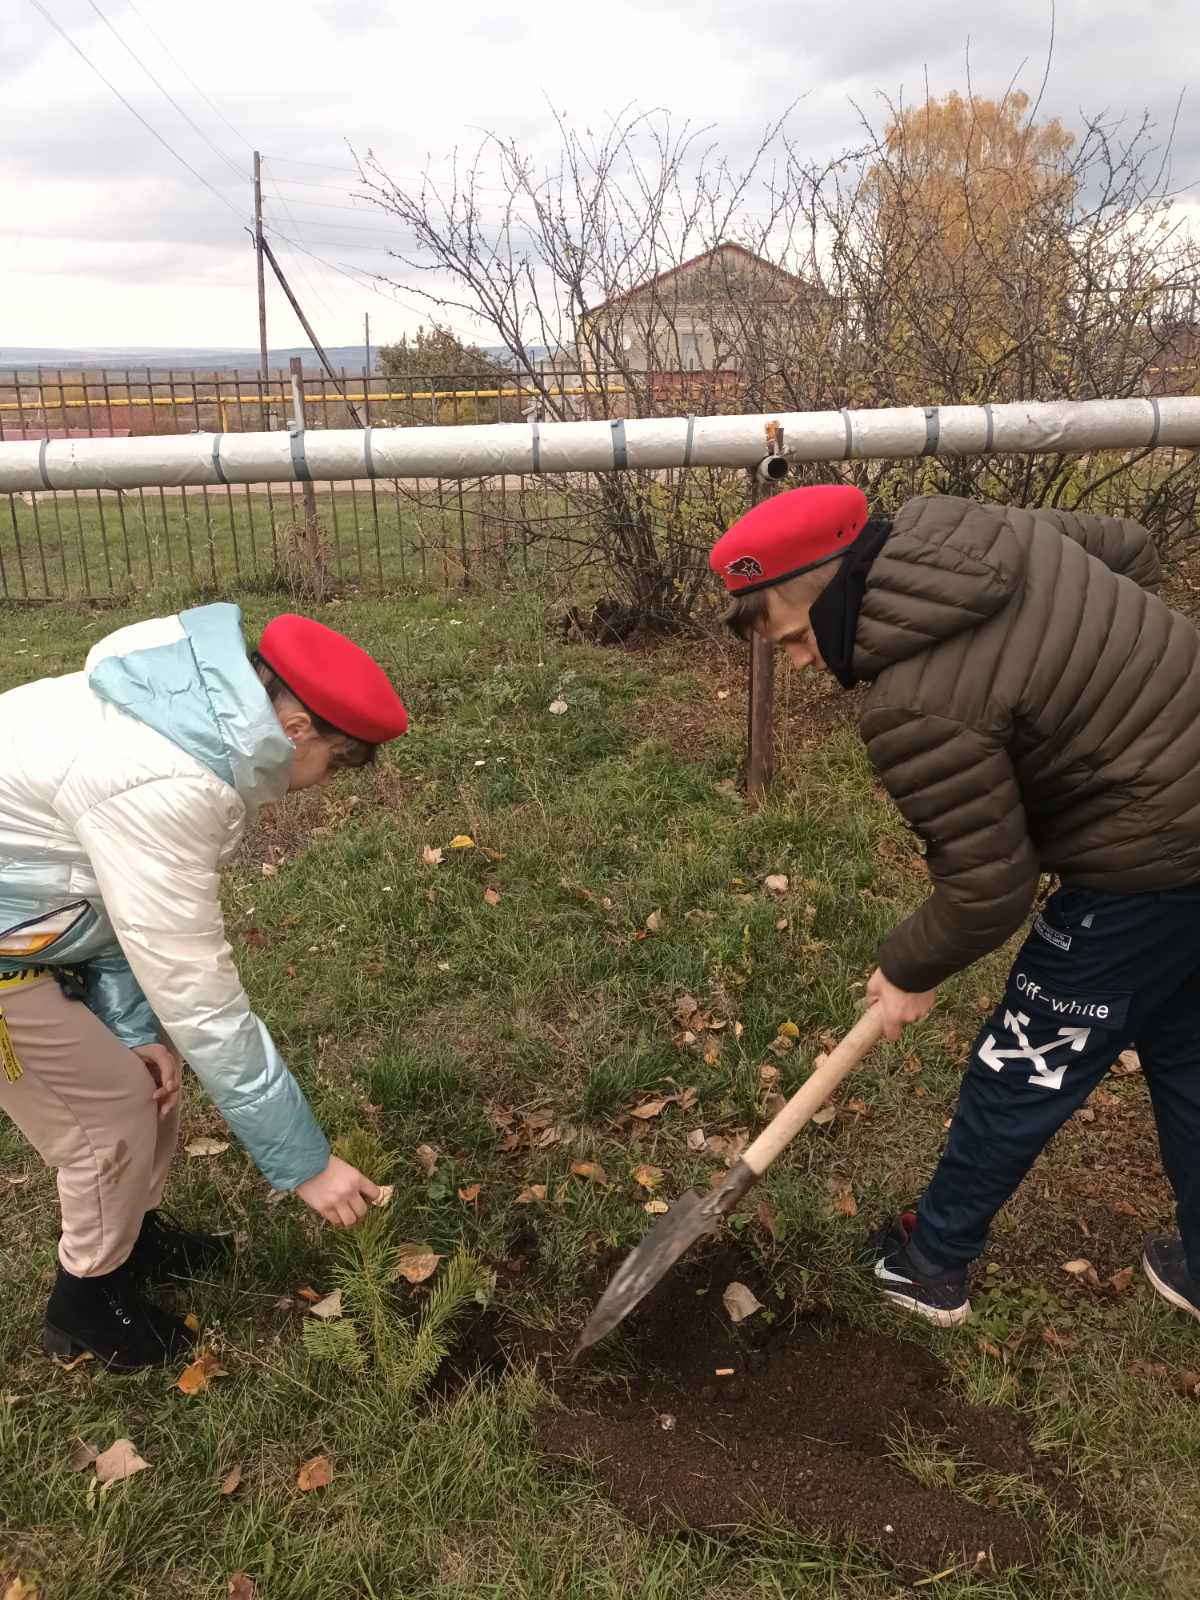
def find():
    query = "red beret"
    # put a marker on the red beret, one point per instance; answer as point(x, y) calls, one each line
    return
point(788, 534)
point(333, 677)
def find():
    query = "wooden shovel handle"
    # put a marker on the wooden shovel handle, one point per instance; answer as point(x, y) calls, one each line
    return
point(814, 1091)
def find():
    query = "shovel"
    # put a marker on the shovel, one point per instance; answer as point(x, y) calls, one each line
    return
point(693, 1215)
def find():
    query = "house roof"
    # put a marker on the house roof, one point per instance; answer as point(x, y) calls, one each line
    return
point(726, 245)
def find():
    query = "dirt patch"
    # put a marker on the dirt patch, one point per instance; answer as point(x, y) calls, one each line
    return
point(284, 830)
point(798, 1419)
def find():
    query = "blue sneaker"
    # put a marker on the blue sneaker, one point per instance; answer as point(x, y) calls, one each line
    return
point(913, 1283)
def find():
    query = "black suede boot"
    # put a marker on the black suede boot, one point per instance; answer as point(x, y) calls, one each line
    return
point(164, 1250)
point(109, 1317)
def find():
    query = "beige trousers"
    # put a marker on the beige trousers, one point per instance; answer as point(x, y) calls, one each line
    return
point(84, 1103)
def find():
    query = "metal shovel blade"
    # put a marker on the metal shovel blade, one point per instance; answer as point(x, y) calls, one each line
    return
point(690, 1218)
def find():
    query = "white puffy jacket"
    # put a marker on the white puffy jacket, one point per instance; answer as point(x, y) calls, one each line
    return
point(124, 789)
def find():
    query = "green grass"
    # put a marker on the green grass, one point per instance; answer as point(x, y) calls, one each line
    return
point(168, 544)
point(412, 1008)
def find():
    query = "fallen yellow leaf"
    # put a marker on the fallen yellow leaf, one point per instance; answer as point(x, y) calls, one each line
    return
point(648, 1109)
point(192, 1322)
point(469, 1194)
point(788, 1030)
point(17, 1589)
point(206, 1147)
point(329, 1309)
point(648, 1177)
point(656, 1208)
point(591, 1170)
point(462, 841)
point(535, 1193)
point(316, 1473)
point(491, 897)
point(195, 1378)
point(240, 1587)
point(232, 1480)
point(417, 1262)
point(384, 1197)
point(118, 1462)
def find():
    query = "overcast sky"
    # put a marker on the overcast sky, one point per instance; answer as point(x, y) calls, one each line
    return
point(106, 239)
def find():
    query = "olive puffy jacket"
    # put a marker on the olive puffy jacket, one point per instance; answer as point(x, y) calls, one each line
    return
point(1034, 708)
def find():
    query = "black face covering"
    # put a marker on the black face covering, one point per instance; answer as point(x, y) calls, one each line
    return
point(834, 615)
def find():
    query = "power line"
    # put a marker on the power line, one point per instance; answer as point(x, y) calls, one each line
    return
point(349, 272)
point(172, 57)
point(167, 96)
point(183, 161)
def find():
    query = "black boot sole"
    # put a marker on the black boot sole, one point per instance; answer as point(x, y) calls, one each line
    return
point(65, 1347)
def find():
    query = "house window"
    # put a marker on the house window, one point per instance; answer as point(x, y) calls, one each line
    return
point(689, 351)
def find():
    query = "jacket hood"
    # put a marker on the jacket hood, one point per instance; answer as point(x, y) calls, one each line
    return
point(189, 678)
point(948, 565)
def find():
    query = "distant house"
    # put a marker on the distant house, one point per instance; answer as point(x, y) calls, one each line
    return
point(701, 317)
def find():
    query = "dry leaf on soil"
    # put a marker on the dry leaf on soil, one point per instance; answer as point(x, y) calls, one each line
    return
point(654, 922)
point(118, 1462)
point(740, 1302)
point(241, 1587)
point(310, 1295)
point(417, 1262)
point(558, 707)
point(433, 855)
point(329, 1309)
point(844, 1202)
point(80, 1455)
point(788, 1030)
point(384, 1197)
point(1084, 1271)
point(766, 1220)
point(696, 1140)
point(194, 1379)
point(1120, 1281)
point(17, 1589)
point(491, 897)
point(648, 1109)
point(426, 1158)
point(823, 1117)
point(648, 1177)
point(69, 1366)
point(685, 1008)
point(776, 883)
point(232, 1480)
point(316, 1473)
point(656, 1208)
point(1126, 1064)
point(206, 1147)
point(469, 1194)
point(534, 1195)
point(592, 1170)
point(462, 841)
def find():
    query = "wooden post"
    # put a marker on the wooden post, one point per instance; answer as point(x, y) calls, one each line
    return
point(313, 555)
point(760, 763)
point(262, 281)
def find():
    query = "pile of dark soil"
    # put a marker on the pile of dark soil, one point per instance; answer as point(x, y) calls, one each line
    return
point(720, 1425)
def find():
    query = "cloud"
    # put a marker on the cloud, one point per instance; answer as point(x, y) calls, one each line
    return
point(91, 198)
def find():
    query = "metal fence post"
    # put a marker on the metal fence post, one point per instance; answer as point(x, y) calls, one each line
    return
point(760, 760)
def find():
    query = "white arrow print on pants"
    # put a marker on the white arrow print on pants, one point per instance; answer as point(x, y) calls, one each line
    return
point(1044, 1075)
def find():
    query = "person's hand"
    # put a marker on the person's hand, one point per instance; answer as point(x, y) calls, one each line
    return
point(341, 1194)
point(165, 1067)
point(898, 1006)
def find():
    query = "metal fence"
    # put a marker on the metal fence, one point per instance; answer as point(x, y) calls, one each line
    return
point(426, 533)
point(383, 534)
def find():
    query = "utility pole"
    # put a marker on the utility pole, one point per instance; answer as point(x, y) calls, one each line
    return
point(262, 282)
